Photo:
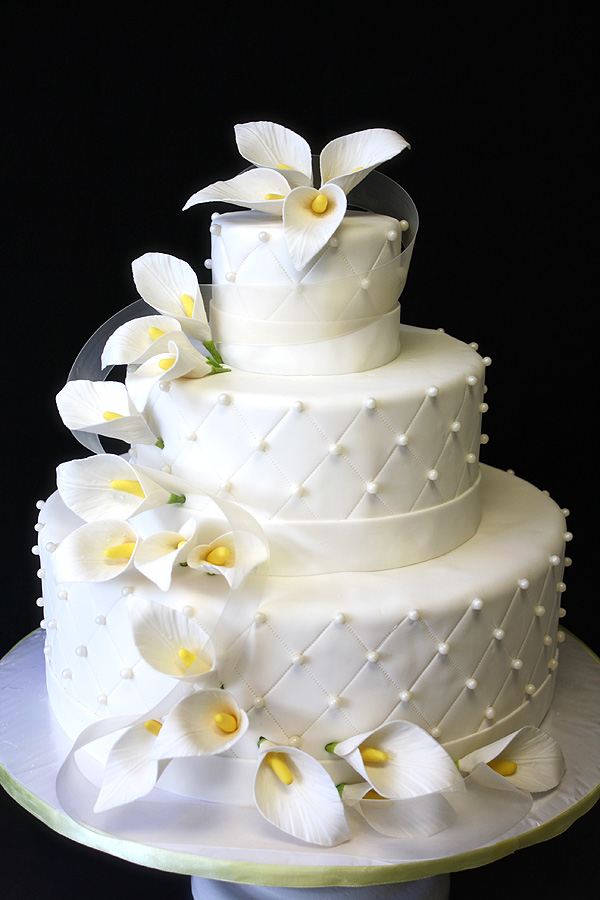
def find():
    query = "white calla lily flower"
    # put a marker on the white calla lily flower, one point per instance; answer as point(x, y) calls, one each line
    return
point(204, 723)
point(173, 357)
point(409, 818)
point(161, 551)
point(131, 340)
point(97, 551)
point(529, 759)
point(171, 286)
point(108, 487)
point(400, 760)
point(131, 772)
point(171, 642)
point(310, 216)
point(103, 407)
point(295, 793)
point(233, 555)
point(261, 189)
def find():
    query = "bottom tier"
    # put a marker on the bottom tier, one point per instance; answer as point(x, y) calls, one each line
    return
point(464, 645)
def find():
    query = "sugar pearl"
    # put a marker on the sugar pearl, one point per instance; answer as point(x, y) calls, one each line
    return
point(259, 618)
point(433, 391)
point(370, 403)
point(100, 620)
point(339, 618)
point(539, 611)
point(523, 584)
point(490, 713)
point(258, 702)
point(81, 650)
point(443, 648)
point(477, 603)
point(499, 634)
point(126, 673)
point(372, 656)
point(102, 699)
point(230, 276)
point(208, 263)
point(414, 615)
point(263, 236)
point(471, 684)
point(372, 487)
point(530, 689)
point(405, 696)
point(517, 664)
point(224, 399)
point(402, 440)
point(335, 702)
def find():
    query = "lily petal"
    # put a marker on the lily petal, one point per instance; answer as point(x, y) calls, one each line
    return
point(413, 763)
point(251, 189)
point(276, 147)
point(159, 552)
point(307, 231)
point(244, 551)
point(191, 728)
point(346, 160)
point(107, 487)
point(413, 817)
point(132, 339)
point(98, 551)
point(171, 286)
point(130, 771)
point(103, 407)
point(540, 764)
point(309, 807)
point(169, 641)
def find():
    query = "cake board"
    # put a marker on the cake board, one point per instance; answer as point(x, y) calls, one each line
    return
point(232, 853)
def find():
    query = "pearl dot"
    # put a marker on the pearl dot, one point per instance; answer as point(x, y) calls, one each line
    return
point(258, 702)
point(523, 583)
point(39, 526)
point(370, 403)
point(455, 427)
point(562, 612)
point(215, 229)
point(191, 436)
point(471, 458)
point(404, 225)
point(81, 650)
point(414, 615)
point(297, 490)
point(126, 673)
point(66, 673)
point(298, 406)
point(126, 590)
point(40, 503)
point(294, 740)
point(433, 391)
point(230, 276)
point(334, 242)
point(188, 611)
point(433, 475)
point(405, 696)
point(365, 284)
point(339, 618)
point(560, 637)
point(517, 664)
point(225, 487)
point(100, 620)
point(39, 601)
point(547, 640)
point(102, 699)
point(477, 603)
point(166, 470)
point(472, 380)
point(263, 236)
point(335, 449)
point(259, 618)
point(568, 561)
point(48, 650)
point(483, 407)
point(530, 689)
point(561, 587)
point(224, 399)
point(260, 445)
point(62, 594)
point(35, 550)
point(41, 573)
point(208, 263)
point(553, 664)
point(499, 634)
point(436, 731)
point(298, 659)
point(164, 386)
point(487, 361)
point(555, 560)
point(568, 536)
point(372, 656)
point(539, 611)
point(402, 440)
point(43, 623)
point(51, 546)
point(335, 702)
point(443, 648)
point(484, 439)
point(51, 624)
point(490, 713)
point(372, 487)
point(471, 684)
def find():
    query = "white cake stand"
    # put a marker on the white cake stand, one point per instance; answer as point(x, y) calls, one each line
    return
point(233, 854)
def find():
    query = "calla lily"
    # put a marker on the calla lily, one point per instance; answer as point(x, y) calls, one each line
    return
point(108, 487)
point(134, 338)
point(409, 818)
point(159, 552)
point(204, 723)
point(260, 189)
point(103, 407)
point(232, 555)
point(295, 793)
point(171, 286)
point(131, 772)
point(97, 551)
point(171, 642)
point(528, 758)
point(400, 760)
point(310, 216)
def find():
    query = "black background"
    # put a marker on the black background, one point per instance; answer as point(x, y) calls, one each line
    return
point(113, 119)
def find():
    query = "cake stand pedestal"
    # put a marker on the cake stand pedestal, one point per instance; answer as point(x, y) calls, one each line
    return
point(233, 854)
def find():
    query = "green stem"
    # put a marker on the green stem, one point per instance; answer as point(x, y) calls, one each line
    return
point(176, 498)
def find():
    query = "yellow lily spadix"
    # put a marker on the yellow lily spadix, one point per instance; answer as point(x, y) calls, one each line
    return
point(226, 722)
point(218, 556)
point(155, 333)
point(504, 767)
point(120, 551)
point(319, 204)
point(188, 305)
point(276, 762)
point(153, 726)
point(128, 486)
point(187, 657)
point(166, 363)
point(109, 416)
point(372, 755)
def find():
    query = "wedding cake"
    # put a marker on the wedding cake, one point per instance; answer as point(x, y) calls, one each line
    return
point(299, 587)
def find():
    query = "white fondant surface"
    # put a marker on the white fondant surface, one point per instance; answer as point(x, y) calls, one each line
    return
point(332, 655)
point(371, 458)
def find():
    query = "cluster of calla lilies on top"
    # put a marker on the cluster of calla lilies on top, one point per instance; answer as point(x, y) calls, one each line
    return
point(281, 182)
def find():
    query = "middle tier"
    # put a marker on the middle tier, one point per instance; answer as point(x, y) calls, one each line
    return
point(381, 467)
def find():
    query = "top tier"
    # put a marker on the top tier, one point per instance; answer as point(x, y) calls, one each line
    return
point(308, 281)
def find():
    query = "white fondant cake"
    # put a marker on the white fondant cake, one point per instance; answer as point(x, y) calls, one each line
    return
point(301, 548)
